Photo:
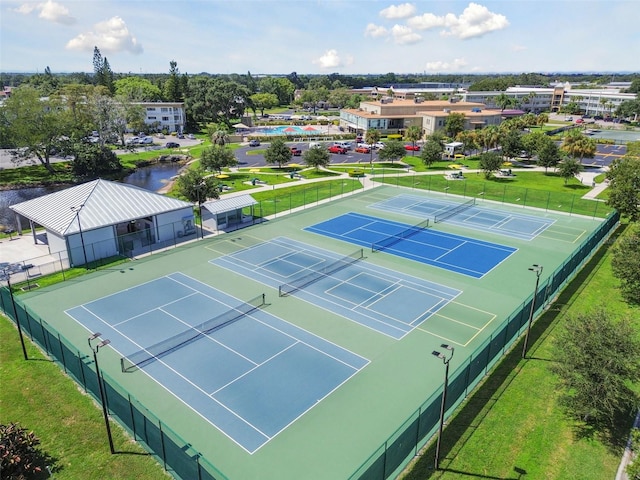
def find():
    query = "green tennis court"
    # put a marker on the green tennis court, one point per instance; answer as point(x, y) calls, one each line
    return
point(369, 422)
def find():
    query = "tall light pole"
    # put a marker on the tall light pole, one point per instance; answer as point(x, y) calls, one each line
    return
point(5, 274)
point(445, 359)
point(201, 183)
point(84, 251)
point(537, 269)
point(103, 399)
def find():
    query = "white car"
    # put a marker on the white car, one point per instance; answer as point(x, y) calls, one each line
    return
point(132, 141)
point(191, 136)
point(145, 141)
point(378, 145)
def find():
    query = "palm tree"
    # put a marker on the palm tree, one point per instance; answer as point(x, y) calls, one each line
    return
point(371, 138)
point(504, 101)
point(220, 137)
point(413, 134)
point(576, 145)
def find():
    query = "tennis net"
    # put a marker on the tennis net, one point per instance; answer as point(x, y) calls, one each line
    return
point(454, 210)
point(154, 352)
point(393, 239)
point(315, 275)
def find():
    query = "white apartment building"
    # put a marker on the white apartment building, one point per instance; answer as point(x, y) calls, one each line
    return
point(161, 116)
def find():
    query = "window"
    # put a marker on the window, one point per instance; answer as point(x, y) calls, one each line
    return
point(165, 119)
point(152, 118)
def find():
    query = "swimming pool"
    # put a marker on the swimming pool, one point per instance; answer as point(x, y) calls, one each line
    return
point(287, 130)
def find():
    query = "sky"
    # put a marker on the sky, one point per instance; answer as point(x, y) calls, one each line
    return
point(321, 36)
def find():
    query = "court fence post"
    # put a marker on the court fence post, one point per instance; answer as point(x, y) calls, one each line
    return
point(548, 200)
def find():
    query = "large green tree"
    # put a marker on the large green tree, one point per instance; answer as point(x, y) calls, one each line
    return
point(596, 360)
point(393, 150)
point(34, 127)
point(94, 160)
point(217, 157)
point(624, 186)
point(172, 88)
point(569, 168)
point(626, 263)
point(262, 101)
point(317, 157)
point(490, 162)
point(548, 153)
point(277, 153)
point(454, 124)
point(137, 89)
point(216, 100)
point(196, 186)
point(431, 152)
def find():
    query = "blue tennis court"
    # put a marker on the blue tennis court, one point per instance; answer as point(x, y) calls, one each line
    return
point(514, 225)
point(464, 255)
point(386, 301)
point(250, 379)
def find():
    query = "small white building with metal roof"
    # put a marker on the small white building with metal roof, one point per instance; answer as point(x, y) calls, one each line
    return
point(100, 219)
point(228, 212)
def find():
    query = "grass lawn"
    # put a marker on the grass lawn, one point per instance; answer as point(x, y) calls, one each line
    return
point(271, 202)
point(41, 398)
point(513, 426)
point(36, 175)
point(533, 189)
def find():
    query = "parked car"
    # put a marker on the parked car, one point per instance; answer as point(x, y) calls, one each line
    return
point(337, 149)
point(415, 148)
point(296, 152)
point(146, 141)
point(597, 117)
point(346, 145)
point(362, 149)
point(172, 145)
point(378, 145)
point(579, 120)
point(191, 136)
point(181, 136)
point(132, 141)
point(254, 143)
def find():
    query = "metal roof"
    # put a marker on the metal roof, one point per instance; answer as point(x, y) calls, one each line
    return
point(229, 204)
point(98, 203)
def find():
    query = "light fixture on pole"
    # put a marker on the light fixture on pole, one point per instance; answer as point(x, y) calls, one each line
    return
point(77, 210)
point(5, 274)
point(445, 359)
point(537, 269)
point(103, 400)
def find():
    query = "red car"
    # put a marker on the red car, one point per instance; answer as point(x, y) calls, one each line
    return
point(296, 152)
point(363, 150)
point(415, 148)
point(337, 149)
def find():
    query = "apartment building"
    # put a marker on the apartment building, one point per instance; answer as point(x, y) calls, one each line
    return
point(164, 116)
point(389, 115)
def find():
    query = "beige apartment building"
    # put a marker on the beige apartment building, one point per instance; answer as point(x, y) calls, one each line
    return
point(390, 115)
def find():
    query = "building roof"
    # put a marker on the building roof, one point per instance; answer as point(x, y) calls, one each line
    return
point(229, 204)
point(98, 203)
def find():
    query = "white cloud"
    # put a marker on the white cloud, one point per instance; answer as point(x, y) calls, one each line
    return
point(110, 36)
point(403, 35)
point(518, 48)
point(331, 59)
point(398, 11)
point(50, 11)
point(475, 21)
point(426, 21)
point(375, 31)
point(440, 66)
